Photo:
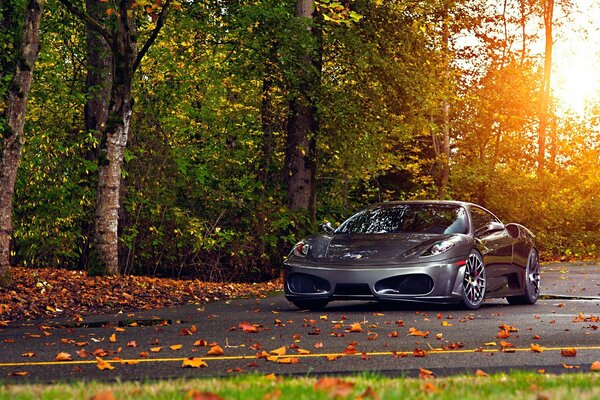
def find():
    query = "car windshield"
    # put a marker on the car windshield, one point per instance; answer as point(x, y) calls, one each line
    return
point(408, 218)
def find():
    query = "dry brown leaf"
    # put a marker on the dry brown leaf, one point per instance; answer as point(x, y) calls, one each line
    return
point(194, 395)
point(215, 351)
point(430, 388)
point(426, 374)
point(103, 365)
point(415, 332)
point(536, 348)
point(62, 356)
point(334, 386)
point(193, 362)
point(288, 360)
point(248, 327)
point(570, 352)
point(105, 395)
point(18, 373)
point(419, 353)
point(279, 352)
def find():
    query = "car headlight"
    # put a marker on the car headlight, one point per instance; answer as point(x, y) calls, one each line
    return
point(301, 248)
point(439, 248)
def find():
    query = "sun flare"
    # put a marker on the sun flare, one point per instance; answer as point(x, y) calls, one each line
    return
point(577, 84)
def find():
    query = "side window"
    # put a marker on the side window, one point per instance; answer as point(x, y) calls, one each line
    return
point(481, 218)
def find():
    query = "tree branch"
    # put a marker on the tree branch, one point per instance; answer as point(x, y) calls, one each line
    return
point(91, 22)
point(159, 24)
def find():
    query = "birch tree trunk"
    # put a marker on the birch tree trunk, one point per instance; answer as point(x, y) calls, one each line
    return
point(13, 117)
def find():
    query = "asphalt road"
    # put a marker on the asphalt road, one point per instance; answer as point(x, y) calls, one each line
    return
point(345, 337)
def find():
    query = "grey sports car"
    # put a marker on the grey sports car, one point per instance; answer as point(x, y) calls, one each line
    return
point(426, 251)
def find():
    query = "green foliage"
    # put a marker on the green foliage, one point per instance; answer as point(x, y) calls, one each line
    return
point(204, 191)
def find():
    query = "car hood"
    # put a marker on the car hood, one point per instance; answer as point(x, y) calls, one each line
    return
point(361, 249)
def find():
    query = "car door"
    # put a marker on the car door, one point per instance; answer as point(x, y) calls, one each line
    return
point(496, 247)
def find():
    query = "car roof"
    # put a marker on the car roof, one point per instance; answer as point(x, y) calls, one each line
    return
point(425, 202)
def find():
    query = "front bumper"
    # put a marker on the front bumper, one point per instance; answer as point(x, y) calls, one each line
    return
point(423, 282)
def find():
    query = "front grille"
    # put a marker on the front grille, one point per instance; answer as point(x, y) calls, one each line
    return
point(414, 284)
point(352, 289)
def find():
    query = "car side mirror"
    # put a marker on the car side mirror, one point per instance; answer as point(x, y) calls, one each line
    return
point(327, 228)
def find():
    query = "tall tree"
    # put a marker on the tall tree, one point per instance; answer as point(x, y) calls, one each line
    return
point(546, 89)
point(19, 31)
point(121, 35)
point(300, 157)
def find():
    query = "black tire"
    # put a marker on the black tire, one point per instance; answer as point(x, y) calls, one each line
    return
point(474, 282)
point(312, 305)
point(532, 281)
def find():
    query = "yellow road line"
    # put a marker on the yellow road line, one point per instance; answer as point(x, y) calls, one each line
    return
point(312, 355)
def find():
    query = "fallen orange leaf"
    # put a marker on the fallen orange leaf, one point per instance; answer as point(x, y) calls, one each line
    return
point(425, 373)
point(103, 365)
point(193, 362)
point(62, 356)
point(430, 388)
point(419, 353)
point(155, 349)
point(288, 360)
point(536, 348)
point(480, 373)
point(415, 332)
point(113, 338)
point(19, 373)
point(332, 357)
point(176, 347)
point(303, 351)
point(106, 395)
point(28, 355)
point(595, 366)
point(335, 387)
point(215, 351)
point(279, 352)
point(570, 352)
point(355, 327)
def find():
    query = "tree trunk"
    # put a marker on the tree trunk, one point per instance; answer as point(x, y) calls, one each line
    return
point(98, 85)
point(546, 89)
point(300, 151)
point(13, 137)
point(114, 142)
point(121, 37)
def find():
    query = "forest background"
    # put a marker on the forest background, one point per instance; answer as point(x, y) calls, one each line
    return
point(251, 121)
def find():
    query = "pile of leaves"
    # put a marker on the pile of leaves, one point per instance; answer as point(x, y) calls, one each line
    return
point(41, 293)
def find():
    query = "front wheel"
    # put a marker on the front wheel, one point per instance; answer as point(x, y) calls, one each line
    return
point(473, 282)
point(532, 281)
point(312, 305)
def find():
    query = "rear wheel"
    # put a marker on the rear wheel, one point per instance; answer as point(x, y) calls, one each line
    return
point(473, 282)
point(532, 281)
point(311, 304)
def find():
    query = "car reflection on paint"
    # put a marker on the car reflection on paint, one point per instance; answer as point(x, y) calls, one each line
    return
point(424, 251)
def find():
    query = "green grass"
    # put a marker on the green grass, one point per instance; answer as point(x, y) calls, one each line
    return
point(516, 385)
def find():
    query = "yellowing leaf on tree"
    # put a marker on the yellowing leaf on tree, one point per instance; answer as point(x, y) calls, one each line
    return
point(193, 362)
point(536, 348)
point(110, 11)
point(62, 356)
point(103, 365)
point(215, 351)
